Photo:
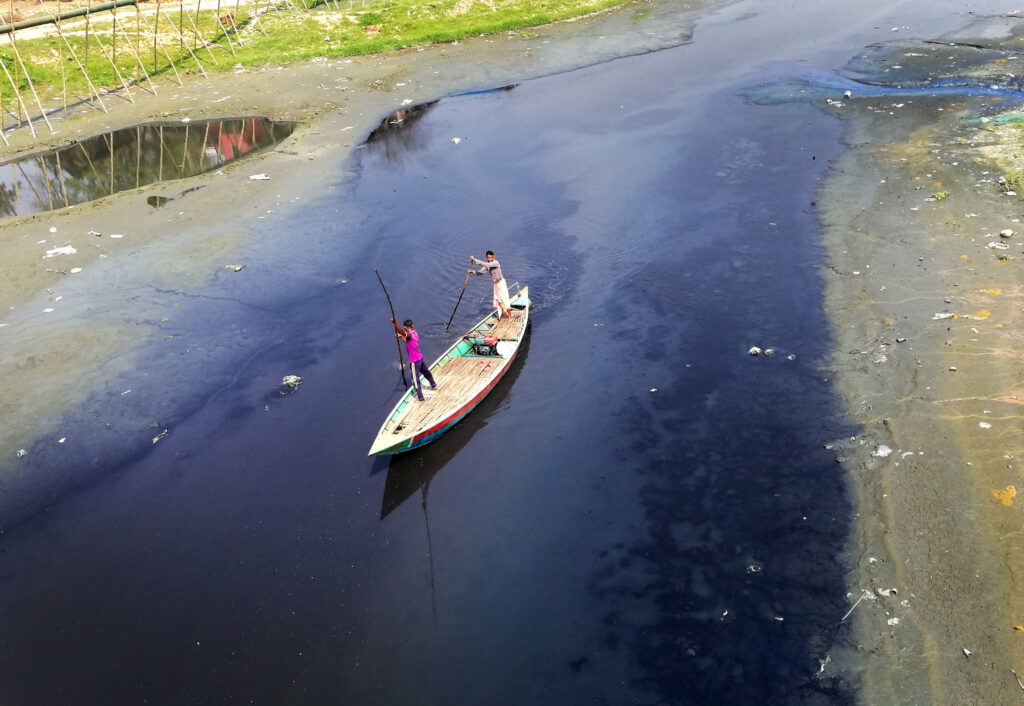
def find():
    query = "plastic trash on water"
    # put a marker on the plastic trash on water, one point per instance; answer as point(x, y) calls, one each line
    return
point(259, 177)
point(292, 381)
point(63, 250)
point(234, 268)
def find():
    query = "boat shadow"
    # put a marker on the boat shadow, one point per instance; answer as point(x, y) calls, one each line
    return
point(413, 470)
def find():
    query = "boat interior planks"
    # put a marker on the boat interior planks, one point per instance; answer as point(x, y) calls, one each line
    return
point(456, 381)
point(506, 328)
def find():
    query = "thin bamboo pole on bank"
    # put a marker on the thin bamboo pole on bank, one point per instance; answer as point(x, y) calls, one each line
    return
point(156, 41)
point(28, 80)
point(156, 28)
point(181, 23)
point(195, 34)
point(216, 16)
point(17, 93)
point(63, 69)
point(87, 16)
point(11, 14)
point(138, 59)
point(78, 63)
point(117, 71)
point(183, 44)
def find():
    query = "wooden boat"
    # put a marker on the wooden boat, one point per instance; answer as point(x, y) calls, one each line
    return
point(464, 374)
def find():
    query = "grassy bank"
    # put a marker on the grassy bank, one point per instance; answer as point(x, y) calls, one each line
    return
point(154, 39)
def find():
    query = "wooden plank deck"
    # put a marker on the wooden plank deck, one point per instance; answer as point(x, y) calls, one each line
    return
point(506, 328)
point(456, 382)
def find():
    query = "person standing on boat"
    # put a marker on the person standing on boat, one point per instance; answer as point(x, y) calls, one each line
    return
point(493, 268)
point(412, 345)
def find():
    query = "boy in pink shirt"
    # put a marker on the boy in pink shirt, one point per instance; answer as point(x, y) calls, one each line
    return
point(412, 345)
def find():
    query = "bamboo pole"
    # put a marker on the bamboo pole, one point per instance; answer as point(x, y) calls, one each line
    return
point(117, 71)
point(17, 93)
point(156, 29)
point(195, 30)
point(15, 66)
point(138, 59)
point(160, 171)
point(231, 45)
point(163, 48)
point(181, 23)
point(63, 69)
point(216, 16)
point(194, 57)
point(113, 32)
point(87, 15)
point(32, 88)
point(79, 64)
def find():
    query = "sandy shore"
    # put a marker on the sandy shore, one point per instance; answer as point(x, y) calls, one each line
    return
point(925, 297)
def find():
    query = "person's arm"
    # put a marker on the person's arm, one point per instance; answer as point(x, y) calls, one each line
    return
point(399, 330)
point(483, 266)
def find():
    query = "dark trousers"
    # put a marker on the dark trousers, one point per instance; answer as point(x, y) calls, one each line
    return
point(420, 368)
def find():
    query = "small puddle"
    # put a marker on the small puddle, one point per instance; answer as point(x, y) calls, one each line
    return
point(129, 158)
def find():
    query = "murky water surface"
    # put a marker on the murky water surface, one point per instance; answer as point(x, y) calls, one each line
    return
point(127, 159)
point(641, 512)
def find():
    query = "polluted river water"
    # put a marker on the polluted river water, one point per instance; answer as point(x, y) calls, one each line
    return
point(641, 512)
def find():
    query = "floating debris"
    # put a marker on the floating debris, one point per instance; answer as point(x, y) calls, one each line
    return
point(754, 350)
point(21, 453)
point(292, 381)
point(63, 250)
point(1005, 496)
point(882, 451)
point(160, 436)
point(234, 268)
point(259, 177)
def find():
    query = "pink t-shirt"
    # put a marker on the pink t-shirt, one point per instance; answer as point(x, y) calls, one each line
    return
point(412, 344)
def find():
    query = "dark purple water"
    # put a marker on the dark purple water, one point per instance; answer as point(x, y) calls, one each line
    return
point(641, 513)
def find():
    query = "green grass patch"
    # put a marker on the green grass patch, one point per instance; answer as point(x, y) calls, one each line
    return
point(327, 29)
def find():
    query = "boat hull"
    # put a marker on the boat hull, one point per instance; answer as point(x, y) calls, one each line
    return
point(387, 443)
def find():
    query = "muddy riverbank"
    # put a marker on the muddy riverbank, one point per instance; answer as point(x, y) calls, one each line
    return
point(924, 290)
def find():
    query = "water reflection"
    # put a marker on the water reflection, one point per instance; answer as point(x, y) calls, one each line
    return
point(393, 136)
point(129, 158)
point(413, 471)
